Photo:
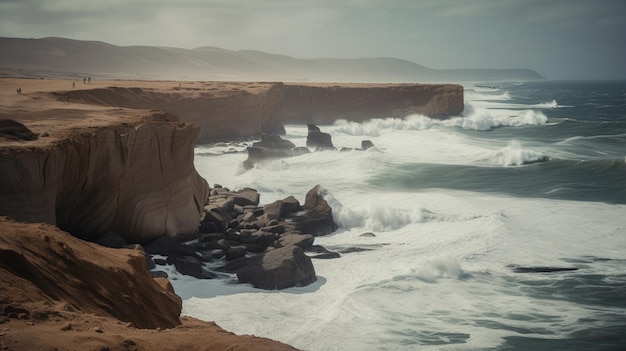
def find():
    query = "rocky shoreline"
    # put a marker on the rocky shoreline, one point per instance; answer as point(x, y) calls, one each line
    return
point(114, 165)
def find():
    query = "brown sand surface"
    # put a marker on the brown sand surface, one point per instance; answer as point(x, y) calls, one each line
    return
point(43, 113)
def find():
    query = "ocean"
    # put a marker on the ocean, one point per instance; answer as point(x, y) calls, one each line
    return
point(502, 229)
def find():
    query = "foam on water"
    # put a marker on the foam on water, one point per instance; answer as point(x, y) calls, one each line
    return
point(435, 275)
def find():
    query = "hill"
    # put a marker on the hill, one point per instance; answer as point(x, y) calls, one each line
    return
point(50, 57)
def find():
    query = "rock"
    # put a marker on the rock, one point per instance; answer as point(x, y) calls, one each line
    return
point(305, 241)
point(168, 246)
point(273, 142)
point(317, 139)
point(366, 144)
point(235, 252)
point(159, 274)
point(278, 269)
point(368, 235)
point(280, 208)
point(188, 265)
point(13, 130)
point(66, 327)
point(39, 262)
point(135, 178)
point(246, 197)
point(112, 239)
point(318, 218)
point(326, 256)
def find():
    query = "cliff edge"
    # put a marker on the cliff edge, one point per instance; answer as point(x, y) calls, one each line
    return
point(94, 170)
point(59, 292)
point(239, 110)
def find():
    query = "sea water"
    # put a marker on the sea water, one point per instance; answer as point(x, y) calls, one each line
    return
point(503, 228)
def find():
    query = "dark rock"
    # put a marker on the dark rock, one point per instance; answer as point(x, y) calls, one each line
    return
point(366, 144)
point(318, 218)
point(159, 274)
point(274, 142)
point(300, 150)
point(112, 239)
point(208, 226)
point(13, 130)
point(159, 261)
point(313, 128)
point(246, 197)
point(540, 269)
point(347, 250)
point(319, 140)
point(248, 217)
point(254, 248)
point(211, 237)
point(188, 265)
point(234, 265)
point(168, 246)
point(236, 252)
point(326, 256)
point(278, 269)
point(304, 241)
point(278, 229)
point(368, 235)
point(261, 238)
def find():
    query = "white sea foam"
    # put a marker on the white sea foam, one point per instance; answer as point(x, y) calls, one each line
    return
point(435, 274)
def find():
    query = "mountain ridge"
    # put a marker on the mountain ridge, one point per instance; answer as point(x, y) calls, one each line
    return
point(55, 56)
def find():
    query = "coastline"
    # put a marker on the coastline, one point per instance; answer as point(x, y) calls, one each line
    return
point(82, 152)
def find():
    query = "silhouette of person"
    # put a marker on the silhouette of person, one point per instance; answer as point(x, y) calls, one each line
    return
point(73, 84)
point(84, 80)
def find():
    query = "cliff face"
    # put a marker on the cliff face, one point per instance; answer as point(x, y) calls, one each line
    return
point(135, 179)
point(39, 263)
point(225, 111)
point(60, 293)
point(326, 104)
point(235, 110)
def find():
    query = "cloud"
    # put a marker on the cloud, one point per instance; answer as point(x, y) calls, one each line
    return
point(438, 33)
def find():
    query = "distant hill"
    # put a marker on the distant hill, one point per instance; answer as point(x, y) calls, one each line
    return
point(75, 58)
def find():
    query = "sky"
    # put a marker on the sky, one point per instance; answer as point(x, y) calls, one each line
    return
point(560, 39)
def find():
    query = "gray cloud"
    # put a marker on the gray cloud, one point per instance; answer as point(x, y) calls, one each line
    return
point(558, 38)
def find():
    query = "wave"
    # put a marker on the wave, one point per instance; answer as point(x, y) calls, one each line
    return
point(478, 96)
point(512, 155)
point(551, 104)
point(476, 118)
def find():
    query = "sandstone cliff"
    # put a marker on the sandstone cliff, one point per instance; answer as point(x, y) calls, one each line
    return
point(232, 110)
point(224, 111)
point(58, 292)
point(126, 171)
point(324, 104)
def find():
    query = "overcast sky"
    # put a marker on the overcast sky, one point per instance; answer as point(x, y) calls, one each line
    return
point(561, 39)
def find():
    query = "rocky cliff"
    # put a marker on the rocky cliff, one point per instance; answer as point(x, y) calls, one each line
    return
point(224, 111)
point(325, 104)
point(129, 172)
point(58, 292)
point(229, 110)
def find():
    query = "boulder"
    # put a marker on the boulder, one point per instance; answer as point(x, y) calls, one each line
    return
point(13, 130)
point(189, 265)
point(305, 241)
point(278, 269)
point(280, 208)
point(366, 144)
point(168, 246)
point(318, 218)
point(246, 197)
point(317, 139)
point(112, 239)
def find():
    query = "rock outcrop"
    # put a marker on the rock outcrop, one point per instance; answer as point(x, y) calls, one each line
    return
point(238, 110)
point(58, 292)
point(324, 104)
point(223, 110)
point(54, 266)
point(134, 178)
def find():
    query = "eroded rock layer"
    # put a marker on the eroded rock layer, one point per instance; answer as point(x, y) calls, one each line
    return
point(228, 110)
point(136, 179)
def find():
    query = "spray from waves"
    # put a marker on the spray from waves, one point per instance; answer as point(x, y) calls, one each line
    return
point(476, 118)
point(511, 155)
point(480, 96)
point(551, 104)
point(377, 216)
